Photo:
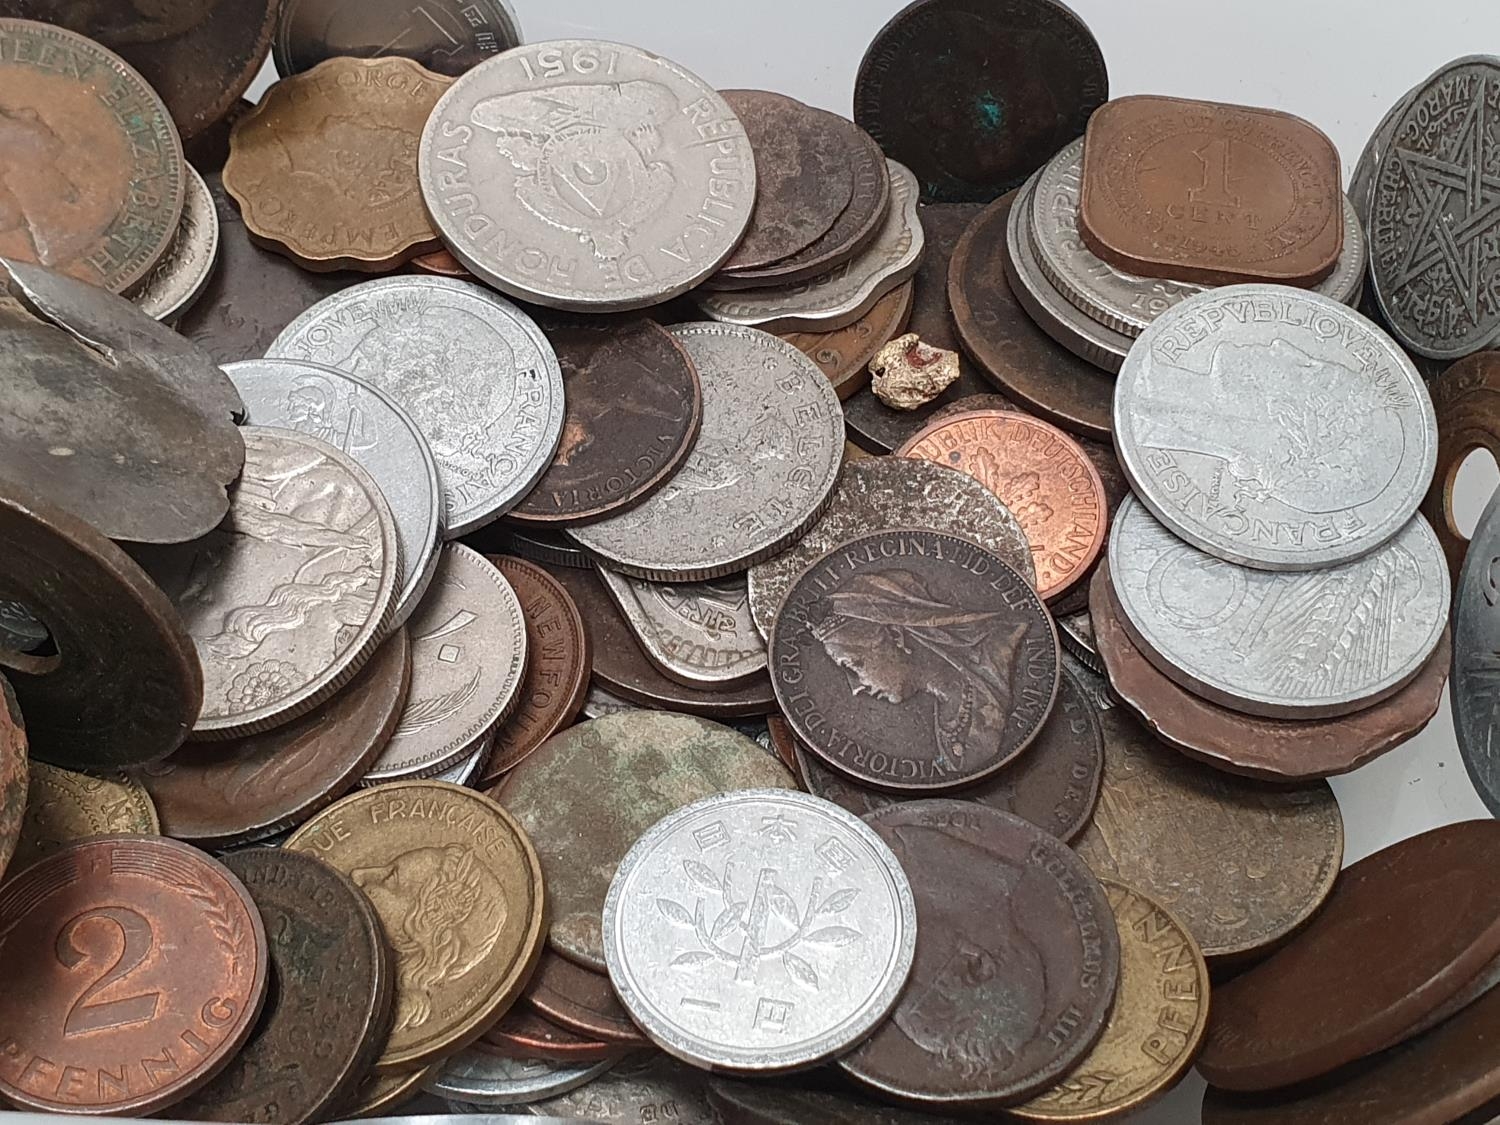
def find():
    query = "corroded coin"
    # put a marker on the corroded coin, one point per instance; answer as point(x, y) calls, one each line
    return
point(458, 889)
point(1475, 688)
point(448, 36)
point(844, 355)
point(698, 633)
point(586, 795)
point(177, 926)
point(181, 275)
point(1466, 403)
point(524, 1034)
point(63, 806)
point(489, 1081)
point(14, 768)
point(581, 1000)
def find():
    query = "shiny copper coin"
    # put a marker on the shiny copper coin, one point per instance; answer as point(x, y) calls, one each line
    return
point(328, 1015)
point(442, 263)
point(634, 406)
point(145, 969)
point(1466, 400)
point(1039, 473)
point(581, 1000)
point(227, 794)
point(63, 807)
point(523, 1034)
point(13, 773)
point(844, 356)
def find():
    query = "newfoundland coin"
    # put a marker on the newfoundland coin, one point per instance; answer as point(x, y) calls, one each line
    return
point(183, 272)
point(581, 1000)
point(448, 36)
point(488, 1081)
point(761, 472)
point(475, 373)
point(844, 356)
point(1475, 688)
point(587, 175)
point(810, 910)
point(1226, 425)
point(1309, 645)
point(699, 633)
point(1466, 401)
point(63, 807)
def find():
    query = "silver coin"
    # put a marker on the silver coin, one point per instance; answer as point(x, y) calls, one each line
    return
point(599, 703)
point(291, 594)
point(1433, 217)
point(20, 629)
point(1274, 428)
point(1076, 631)
point(761, 472)
point(839, 298)
point(1475, 686)
point(1305, 645)
point(697, 633)
point(1362, 179)
point(180, 277)
point(647, 1088)
point(474, 371)
point(365, 423)
point(447, 36)
point(468, 656)
point(488, 1081)
point(759, 931)
point(1095, 684)
point(470, 764)
point(587, 175)
point(551, 548)
point(882, 494)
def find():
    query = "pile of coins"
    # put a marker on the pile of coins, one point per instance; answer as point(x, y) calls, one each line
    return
point(476, 640)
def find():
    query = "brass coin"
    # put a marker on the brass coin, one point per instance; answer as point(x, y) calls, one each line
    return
point(1466, 400)
point(458, 887)
point(63, 806)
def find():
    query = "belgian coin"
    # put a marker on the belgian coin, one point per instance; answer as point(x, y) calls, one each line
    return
point(651, 1087)
point(1466, 403)
point(699, 633)
point(769, 866)
point(488, 1081)
point(448, 36)
point(668, 202)
point(1475, 687)
point(63, 806)
point(14, 768)
point(179, 278)
point(1309, 645)
point(525, 1034)
point(761, 472)
point(475, 372)
point(844, 355)
point(581, 1000)
point(1223, 425)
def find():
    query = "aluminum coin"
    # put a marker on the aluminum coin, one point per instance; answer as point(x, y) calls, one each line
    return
point(488, 1081)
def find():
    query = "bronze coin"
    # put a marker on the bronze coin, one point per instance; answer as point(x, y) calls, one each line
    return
point(1016, 965)
point(633, 409)
point(381, 1092)
point(226, 794)
point(1005, 343)
point(145, 969)
point(442, 263)
point(328, 1015)
point(844, 356)
point(448, 36)
point(582, 1001)
point(523, 1034)
point(1271, 749)
point(123, 686)
point(13, 773)
point(784, 746)
point(1373, 967)
point(974, 96)
point(1466, 400)
point(63, 807)
point(1211, 193)
point(914, 661)
point(559, 661)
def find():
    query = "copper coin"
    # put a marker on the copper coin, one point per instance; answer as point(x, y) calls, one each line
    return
point(327, 1017)
point(1040, 473)
point(1466, 400)
point(380, 1092)
point(784, 746)
point(581, 1000)
point(1016, 966)
point(448, 36)
point(1005, 343)
point(558, 664)
point(227, 794)
point(914, 661)
point(1211, 193)
point(94, 179)
point(1271, 749)
point(844, 356)
point(123, 686)
point(974, 96)
point(442, 263)
point(523, 1034)
point(633, 409)
point(145, 969)
point(1370, 968)
point(13, 773)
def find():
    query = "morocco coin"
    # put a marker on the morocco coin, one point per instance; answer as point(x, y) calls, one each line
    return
point(1475, 688)
point(14, 768)
point(448, 36)
point(810, 909)
point(668, 194)
point(699, 633)
point(489, 1081)
point(473, 371)
point(844, 356)
point(581, 1000)
point(1224, 426)
point(63, 807)
point(181, 275)
point(191, 944)
point(1466, 402)
point(458, 890)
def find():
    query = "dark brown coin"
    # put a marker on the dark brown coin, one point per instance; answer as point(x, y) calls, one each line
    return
point(1016, 965)
point(1272, 749)
point(122, 685)
point(581, 1000)
point(844, 356)
point(1466, 400)
point(621, 667)
point(327, 1017)
point(914, 661)
point(753, 1103)
point(974, 95)
point(1405, 933)
point(442, 263)
point(145, 969)
point(14, 776)
point(634, 406)
point(523, 1034)
point(448, 36)
point(784, 746)
point(225, 794)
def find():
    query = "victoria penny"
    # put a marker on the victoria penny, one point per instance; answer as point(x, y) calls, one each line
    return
point(13, 773)
point(844, 356)
point(63, 807)
point(582, 1001)
point(1466, 400)
point(524, 1034)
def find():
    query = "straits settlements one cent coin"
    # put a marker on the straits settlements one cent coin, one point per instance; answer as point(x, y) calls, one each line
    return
point(63, 806)
point(448, 36)
point(587, 175)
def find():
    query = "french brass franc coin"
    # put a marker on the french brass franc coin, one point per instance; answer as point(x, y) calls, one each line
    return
point(1475, 687)
point(699, 633)
point(14, 768)
point(181, 275)
point(844, 356)
point(63, 806)
point(448, 36)
point(1466, 402)
point(490, 1082)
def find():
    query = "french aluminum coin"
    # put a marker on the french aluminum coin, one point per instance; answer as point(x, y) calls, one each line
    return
point(587, 175)
point(1304, 645)
point(482, 1079)
point(697, 633)
point(1274, 428)
point(1475, 686)
point(762, 471)
point(475, 373)
point(180, 277)
point(355, 417)
point(759, 932)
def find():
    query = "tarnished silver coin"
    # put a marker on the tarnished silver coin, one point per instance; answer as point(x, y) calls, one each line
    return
point(1274, 428)
point(839, 298)
point(762, 470)
point(543, 545)
point(649, 1087)
point(468, 767)
point(1305, 645)
point(587, 175)
point(1475, 686)
point(365, 423)
point(1076, 632)
point(698, 633)
point(180, 277)
point(289, 596)
point(883, 493)
point(446, 36)
point(759, 931)
point(600, 703)
point(487, 1081)
point(474, 372)
point(20, 631)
